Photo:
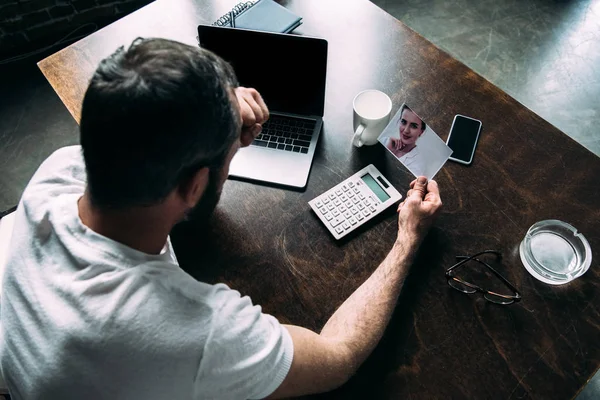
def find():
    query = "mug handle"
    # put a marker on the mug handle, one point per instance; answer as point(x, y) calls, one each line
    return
point(356, 139)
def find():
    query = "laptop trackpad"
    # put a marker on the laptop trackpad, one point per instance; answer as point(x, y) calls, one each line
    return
point(267, 165)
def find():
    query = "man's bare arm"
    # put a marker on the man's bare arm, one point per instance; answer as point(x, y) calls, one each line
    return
point(325, 361)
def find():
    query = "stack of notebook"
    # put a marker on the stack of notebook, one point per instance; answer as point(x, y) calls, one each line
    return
point(261, 15)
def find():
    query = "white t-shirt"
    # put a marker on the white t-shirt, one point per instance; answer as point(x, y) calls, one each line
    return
point(85, 317)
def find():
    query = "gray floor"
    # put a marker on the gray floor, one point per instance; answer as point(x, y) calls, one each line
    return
point(544, 53)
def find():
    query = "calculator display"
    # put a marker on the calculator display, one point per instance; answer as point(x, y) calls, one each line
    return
point(374, 186)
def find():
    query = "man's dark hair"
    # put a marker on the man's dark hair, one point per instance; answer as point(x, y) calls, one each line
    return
point(153, 115)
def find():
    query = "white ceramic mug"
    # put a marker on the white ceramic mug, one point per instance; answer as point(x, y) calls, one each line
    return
point(372, 110)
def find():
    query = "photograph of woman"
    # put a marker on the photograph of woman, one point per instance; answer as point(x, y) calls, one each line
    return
point(414, 144)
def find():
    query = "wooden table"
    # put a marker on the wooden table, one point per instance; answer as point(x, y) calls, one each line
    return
point(266, 242)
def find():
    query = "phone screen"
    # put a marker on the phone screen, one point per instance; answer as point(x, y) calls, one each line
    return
point(463, 137)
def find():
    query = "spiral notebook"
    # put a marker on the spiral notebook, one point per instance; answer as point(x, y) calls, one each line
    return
point(260, 15)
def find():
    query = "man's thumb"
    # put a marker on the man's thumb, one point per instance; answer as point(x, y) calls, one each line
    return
point(420, 188)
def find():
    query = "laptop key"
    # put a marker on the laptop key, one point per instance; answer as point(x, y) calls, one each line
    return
point(304, 137)
point(310, 125)
point(296, 149)
point(302, 143)
point(280, 146)
point(260, 143)
point(280, 140)
point(286, 134)
point(304, 150)
point(294, 136)
point(288, 147)
point(289, 141)
point(273, 145)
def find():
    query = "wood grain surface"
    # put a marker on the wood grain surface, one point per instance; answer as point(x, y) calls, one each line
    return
point(267, 243)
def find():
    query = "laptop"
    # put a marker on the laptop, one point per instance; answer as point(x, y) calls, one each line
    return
point(289, 72)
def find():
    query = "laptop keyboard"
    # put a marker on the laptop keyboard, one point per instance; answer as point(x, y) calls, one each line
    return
point(286, 133)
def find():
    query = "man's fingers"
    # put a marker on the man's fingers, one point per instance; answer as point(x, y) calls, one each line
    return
point(250, 133)
point(256, 129)
point(256, 109)
point(248, 116)
point(252, 106)
point(433, 193)
point(432, 187)
point(263, 106)
point(419, 188)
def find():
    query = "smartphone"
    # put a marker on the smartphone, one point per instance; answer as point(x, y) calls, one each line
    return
point(463, 138)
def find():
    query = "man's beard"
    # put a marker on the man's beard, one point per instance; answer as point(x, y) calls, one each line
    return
point(202, 211)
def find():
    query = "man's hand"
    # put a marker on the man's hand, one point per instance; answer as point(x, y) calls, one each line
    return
point(417, 212)
point(253, 111)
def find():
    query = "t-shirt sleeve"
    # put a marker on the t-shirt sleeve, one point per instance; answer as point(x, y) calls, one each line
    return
point(62, 172)
point(247, 353)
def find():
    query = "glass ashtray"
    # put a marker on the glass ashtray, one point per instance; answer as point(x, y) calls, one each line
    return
point(554, 252)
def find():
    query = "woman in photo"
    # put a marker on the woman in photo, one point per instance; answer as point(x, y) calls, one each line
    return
point(411, 127)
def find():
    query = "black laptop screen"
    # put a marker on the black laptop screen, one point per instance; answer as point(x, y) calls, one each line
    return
point(288, 71)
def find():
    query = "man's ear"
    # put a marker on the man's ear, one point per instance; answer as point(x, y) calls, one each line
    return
point(192, 189)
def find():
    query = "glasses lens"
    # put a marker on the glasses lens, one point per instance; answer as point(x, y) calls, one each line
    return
point(460, 286)
point(495, 298)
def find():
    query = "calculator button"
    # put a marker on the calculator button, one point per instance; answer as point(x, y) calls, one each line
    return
point(360, 217)
point(367, 202)
point(346, 225)
point(325, 200)
point(350, 194)
point(328, 216)
point(319, 204)
point(336, 212)
point(335, 222)
point(348, 204)
point(338, 192)
point(344, 188)
point(356, 190)
point(330, 206)
point(354, 210)
point(347, 214)
point(339, 229)
point(324, 210)
point(355, 200)
point(337, 202)
point(331, 196)
point(351, 184)
point(344, 197)
point(360, 196)
point(366, 213)
point(342, 208)
point(361, 206)
point(372, 208)
point(353, 220)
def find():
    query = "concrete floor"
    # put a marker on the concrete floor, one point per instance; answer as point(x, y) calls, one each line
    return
point(544, 53)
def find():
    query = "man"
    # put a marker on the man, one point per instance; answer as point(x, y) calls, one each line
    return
point(94, 303)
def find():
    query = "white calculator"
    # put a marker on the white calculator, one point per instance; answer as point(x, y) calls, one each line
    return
point(355, 201)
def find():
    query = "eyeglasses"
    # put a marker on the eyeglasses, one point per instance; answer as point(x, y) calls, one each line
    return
point(470, 288)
